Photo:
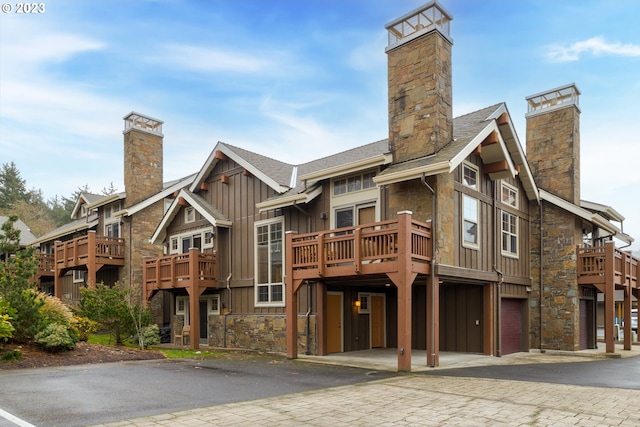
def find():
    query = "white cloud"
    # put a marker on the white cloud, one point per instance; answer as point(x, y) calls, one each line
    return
point(595, 45)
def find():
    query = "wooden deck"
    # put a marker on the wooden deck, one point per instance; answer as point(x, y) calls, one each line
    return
point(370, 249)
point(190, 271)
point(46, 266)
point(607, 269)
point(85, 250)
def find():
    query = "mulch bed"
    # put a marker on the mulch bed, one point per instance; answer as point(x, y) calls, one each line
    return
point(34, 357)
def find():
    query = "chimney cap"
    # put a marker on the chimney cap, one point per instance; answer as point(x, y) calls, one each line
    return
point(553, 99)
point(426, 18)
point(141, 122)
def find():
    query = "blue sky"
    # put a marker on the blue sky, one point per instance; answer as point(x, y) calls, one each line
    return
point(297, 80)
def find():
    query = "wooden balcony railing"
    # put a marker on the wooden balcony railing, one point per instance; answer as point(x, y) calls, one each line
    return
point(368, 249)
point(594, 262)
point(192, 270)
point(46, 265)
point(90, 248)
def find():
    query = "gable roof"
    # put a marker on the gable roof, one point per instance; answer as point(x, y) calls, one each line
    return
point(469, 131)
point(274, 173)
point(168, 189)
point(201, 205)
point(66, 229)
point(85, 198)
point(593, 217)
point(309, 174)
point(26, 236)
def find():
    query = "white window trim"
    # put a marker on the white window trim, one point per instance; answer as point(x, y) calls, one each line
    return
point(187, 212)
point(355, 205)
point(255, 266)
point(78, 279)
point(517, 234)
point(466, 244)
point(364, 308)
point(184, 312)
point(210, 308)
point(473, 167)
point(178, 239)
point(512, 188)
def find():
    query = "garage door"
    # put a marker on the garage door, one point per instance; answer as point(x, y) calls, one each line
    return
point(511, 325)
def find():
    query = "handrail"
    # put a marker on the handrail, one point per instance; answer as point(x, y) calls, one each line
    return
point(353, 246)
point(592, 264)
point(174, 271)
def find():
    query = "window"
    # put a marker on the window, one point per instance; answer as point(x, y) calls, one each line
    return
point(353, 183)
point(208, 239)
point(213, 304)
point(182, 308)
point(111, 209)
point(509, 195)
point(189, 215)
point(200, 239)
point(509, 233)
point(364, 303)
point(470, 221)
point(174, 244)
point(269, 263)
point(344, 217)
point(509, 221)
point(78, 276)
point(112, 230)
point(470, 176)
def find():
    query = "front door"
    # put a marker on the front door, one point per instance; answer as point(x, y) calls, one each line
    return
point(334, 322)
point(377, 321)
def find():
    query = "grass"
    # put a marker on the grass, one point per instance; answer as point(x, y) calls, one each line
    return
point(169, 353)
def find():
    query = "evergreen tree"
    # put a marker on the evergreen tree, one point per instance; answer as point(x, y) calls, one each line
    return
point(12, 186)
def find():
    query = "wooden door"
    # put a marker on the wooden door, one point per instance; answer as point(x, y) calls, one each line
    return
point(377, 321)
point(334, 322)
point(367, 215)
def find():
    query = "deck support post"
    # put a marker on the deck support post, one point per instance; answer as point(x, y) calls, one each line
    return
point(403, 279)
point(609, 297)
point(433, 320)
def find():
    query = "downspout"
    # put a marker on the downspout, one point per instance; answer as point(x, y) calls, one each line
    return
point(432, 358)
point(541, 277)
point(496, 255)
point(224, 344)
point(308, 315)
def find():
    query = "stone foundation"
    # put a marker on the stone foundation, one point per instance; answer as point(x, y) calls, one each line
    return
point(257, 332)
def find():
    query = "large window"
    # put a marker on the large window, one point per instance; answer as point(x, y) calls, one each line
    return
point(509, 221)
point(353, 183)
point(470, 221)
point(269, 262)
point(470, 176)
point(200, 239)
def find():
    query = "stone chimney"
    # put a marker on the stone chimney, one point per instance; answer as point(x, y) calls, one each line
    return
point(553, 141)
point(419, 79)
point(142, 157)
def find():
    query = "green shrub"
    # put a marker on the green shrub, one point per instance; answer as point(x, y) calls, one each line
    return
point(108, 306)
point(85, 327)
point(6, 328)
point(150, 335)
point(12, 356)
point(57, 337)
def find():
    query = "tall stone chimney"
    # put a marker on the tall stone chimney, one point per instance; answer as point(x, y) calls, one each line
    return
point(142, 157)
point(553, 141)
point(419, 79)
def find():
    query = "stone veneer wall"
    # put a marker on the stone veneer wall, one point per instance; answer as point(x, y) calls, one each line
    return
point(560, 290)
point(420, 97)
point(257, 332)
point(553, 151)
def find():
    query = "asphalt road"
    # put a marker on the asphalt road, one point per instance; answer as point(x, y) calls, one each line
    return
point(101, 393)
point(608, 373)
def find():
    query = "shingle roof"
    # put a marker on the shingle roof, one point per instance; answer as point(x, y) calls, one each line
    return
point(26, 236)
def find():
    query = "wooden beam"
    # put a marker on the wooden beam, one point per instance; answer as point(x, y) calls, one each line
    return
point(503, 119)
point(224, 179)
point(499, 166)
point(182, 202)
point(204, 186)
point(220, 155)
point(246, 172)
point(492, 138)
point(478, 150)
